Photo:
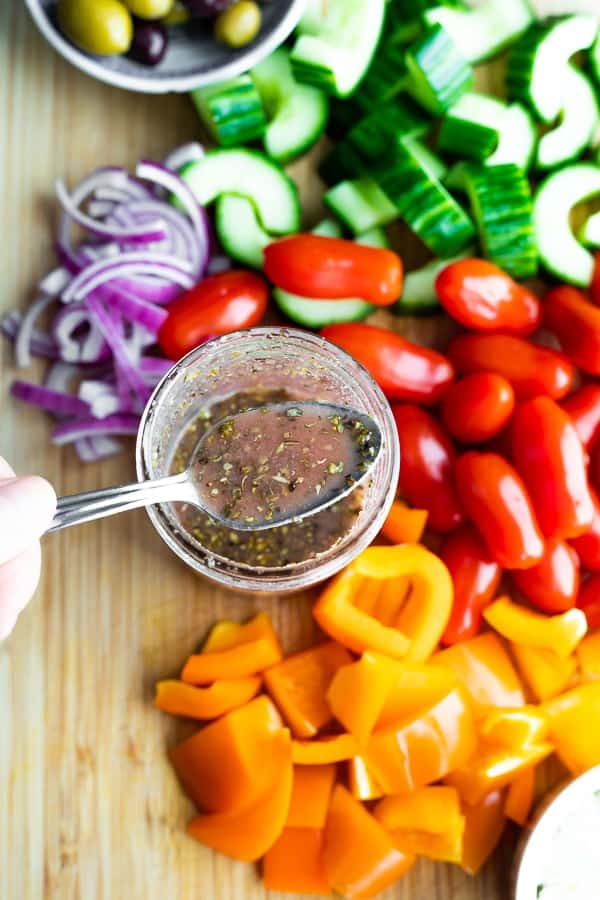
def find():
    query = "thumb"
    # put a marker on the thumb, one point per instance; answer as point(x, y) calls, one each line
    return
point(27, 506)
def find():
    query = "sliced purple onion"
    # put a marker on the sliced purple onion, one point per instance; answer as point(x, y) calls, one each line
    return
point(88, 347)
point(101, 398)
point(93, 449)
point(182, 156)
point(25, 334)
point(140, 235)
point(127, 265)
point(56, 402)
point(60, 377)
point(54, 282)
point(69, 432)
point(147, 314)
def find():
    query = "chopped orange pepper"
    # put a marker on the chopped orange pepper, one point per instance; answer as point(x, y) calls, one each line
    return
point(574, 725)
point(427, 822)
point(248, 832)
point(227, 634)
point(417, 752)
point(324, 750)
point(294, 863)
point(485, 669)
point(299, 684)
point(218, 765)
point(358, 692)
point(419, 686)
point(404, 525)
point(421, 620)
point(361, 781)
point(358, 854)
point(492, 768)
point(514, 728)
point(545, 673)
point(234, 652)
point(588, 654)
point(484, 824)
point(182, 699)
point(519, 800)
point(560, 633)
point(391, 598)
point(311, 791)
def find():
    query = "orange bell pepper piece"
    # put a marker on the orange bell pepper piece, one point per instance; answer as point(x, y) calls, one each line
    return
point(514, 728)
point(560, 633)
point(311, 792)
point(417, 752)
point(248, 832)
point(325, 750)
point(428, 822)
point(299, 684)
point(484, 667)
point(294, 863)
point(421, 620)
point(404, 525)
point(574, 725)
point(519, 800)
point(358, 692)
point(361, 781)
point(358, 854)
point(588, 654)
point(492, 768)
point(241, 652)
point(545, 673)
point(182, 699)
point(418, 687)
point(218, 765)
point(227, 634)
point(484, 825)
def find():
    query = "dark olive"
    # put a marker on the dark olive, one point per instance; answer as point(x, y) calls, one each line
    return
point(205, 8)
point(149, 42)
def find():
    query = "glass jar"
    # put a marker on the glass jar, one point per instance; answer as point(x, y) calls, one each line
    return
point(309, 368)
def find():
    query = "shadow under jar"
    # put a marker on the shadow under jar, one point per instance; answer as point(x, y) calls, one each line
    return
point(245, 369)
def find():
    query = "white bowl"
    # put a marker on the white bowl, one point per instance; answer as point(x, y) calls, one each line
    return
point(193, 57)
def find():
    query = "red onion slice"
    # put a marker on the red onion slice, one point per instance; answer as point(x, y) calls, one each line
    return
point(182, 156)
point(68, 432)
point(24, 337)
point(143, 234)
point(127, 265)
point(56, 402)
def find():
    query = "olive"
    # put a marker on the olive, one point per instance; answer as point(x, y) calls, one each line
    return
point(178, 15)
point(149, 9)
point(206, 8)
point(97, 26)
point(149, 42)
point(238, 24)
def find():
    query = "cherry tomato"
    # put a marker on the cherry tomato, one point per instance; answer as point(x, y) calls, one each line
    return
point(531, 369)
point(583, 408)
point(230, 301)
point(553, 584)
point(551, 460)
point(494, 496)
point(588, 600)
point(426, 467)
point(481, 296)
point(404, 371)
point(570, 316)
point(475, 576)
point(587, 545)
point(594, 467)
point(333, 269)
point(477, 407)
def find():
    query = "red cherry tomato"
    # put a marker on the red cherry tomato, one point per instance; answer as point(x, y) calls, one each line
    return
point(404, 371)
point(475, 576)
point(594, 468)
point(426, 467)
point(588, 600)
point(494, 496)
point(575, 321)
point(230, 301)
point(587, 545)
point(332, 269)
point(481, 296)
point(550, 458)
point(583, 408)
point(477, 407)
point(531, 369)
point(553, 584)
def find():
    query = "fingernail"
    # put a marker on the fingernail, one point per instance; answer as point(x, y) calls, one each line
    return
point(27, 506)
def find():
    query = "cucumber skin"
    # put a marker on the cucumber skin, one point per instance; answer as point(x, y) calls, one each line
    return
point(476, 59)
point(421, 300)
point(462, 137)
point(228, 126)
point(438, 74)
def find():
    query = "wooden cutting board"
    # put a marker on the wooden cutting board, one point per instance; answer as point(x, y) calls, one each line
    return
point(89, 808)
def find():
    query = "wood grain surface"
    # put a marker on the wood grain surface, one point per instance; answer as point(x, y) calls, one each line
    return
point(89, 807)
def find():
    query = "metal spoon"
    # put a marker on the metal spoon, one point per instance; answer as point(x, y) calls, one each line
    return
point(266, 466)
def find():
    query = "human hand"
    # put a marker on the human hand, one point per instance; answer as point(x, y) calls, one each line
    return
point(27, 506)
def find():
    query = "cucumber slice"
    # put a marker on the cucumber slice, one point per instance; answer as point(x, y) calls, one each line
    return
point(560, 252)
point(374, 237)
point(595, 59)
point(503, 210)
point(239, 230)
point(360, 204)
point(319, 313)
point(538, 63)
point(336, 44)
point(578, 123)
point(253, 175)
point(518, 138)
point(418, 292)
point(424, 204)
point(484, 31)
point(297, 113)
point(328, 228)
point(232, 110)
point(589, 233)
point(438, 74)
point(461, 137)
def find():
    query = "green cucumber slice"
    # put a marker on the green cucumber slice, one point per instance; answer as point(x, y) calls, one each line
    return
point(579, 119)
point(487, 29)
point(232, 110)
point(589, 233)
point(560, 251)
point(253, 175)
point(518, 138)
point(537, 64)
point(595, 59)
point(465, 138)
point(328, 228)
point(418, 292)
point(297, 113)
point(360, 204)
point(336, 43)
point(438, 74)
point(239, 230)
point(374, 237)
point(503, 211)
point(319, 313)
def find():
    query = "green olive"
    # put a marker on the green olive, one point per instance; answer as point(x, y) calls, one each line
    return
point(178, 15)
point(149, 9)
point(238, 24)
point(97, 26)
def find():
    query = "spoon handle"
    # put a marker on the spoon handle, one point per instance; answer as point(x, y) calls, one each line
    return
point(79, 508)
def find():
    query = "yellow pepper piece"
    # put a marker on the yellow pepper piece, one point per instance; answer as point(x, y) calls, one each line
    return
point(574, 725)
point(484, 824)
point(514, 728)
point(520, 797)
point(427, 822)
point(560, 633)
point(493, 768)
point(404, 525)
point(546, 673)
point(358, 692)
point(324, 750)
point(418, 687)
point(588, 654)
point(361, 781)
point(311, 792)
point(227, 634)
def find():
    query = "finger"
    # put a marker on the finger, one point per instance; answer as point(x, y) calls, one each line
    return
point(18, 581)
point(27, 506)
point(6, 471)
